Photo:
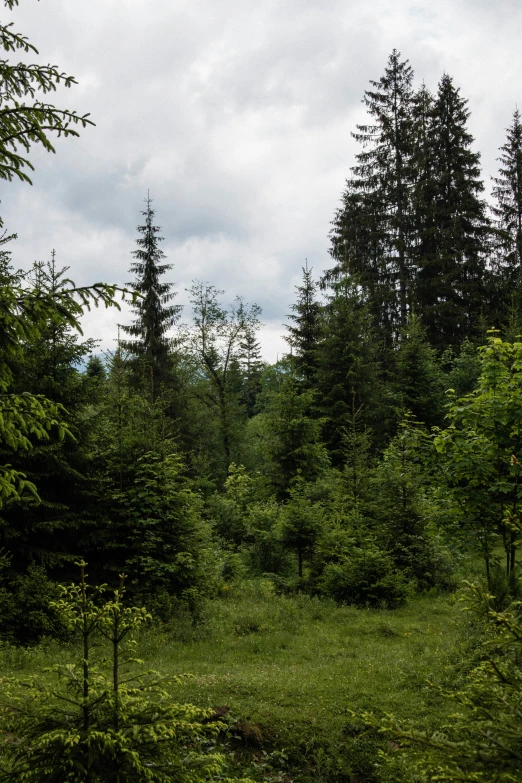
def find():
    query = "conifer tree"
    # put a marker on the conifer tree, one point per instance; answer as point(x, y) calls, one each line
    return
point(154, 315)
point(418, 378)
point(372, 233)
point(347, 364)
point(251, 365)
point(46, 531)
point(450, 286)
point(304, 334)
point(294, 441)
point(508, 212)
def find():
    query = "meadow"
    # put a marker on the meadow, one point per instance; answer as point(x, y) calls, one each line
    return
point(285, 673)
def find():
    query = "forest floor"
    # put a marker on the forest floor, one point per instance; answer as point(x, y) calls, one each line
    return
point(285, 672)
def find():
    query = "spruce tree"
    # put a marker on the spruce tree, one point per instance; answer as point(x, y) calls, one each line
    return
point(418, 378)
point(293, 437)
point(150, 345)
point(372, 233)
point(508, 214)
point(450, 286)
point(250, 366)
point(304, 334)
point(348, 364)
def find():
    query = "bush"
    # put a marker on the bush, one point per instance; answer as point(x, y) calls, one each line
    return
point(25, 611)
point(366, 577)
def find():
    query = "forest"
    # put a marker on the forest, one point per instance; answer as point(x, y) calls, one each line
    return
point(319, 556)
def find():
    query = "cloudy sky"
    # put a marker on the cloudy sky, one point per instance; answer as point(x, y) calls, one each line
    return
point(236, 116)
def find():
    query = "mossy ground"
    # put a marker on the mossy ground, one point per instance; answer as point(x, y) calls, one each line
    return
point(285, 672)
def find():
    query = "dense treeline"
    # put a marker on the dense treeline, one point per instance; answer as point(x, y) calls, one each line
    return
point(185, 461)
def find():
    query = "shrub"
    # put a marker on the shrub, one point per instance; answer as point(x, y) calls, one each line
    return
point(365, 577)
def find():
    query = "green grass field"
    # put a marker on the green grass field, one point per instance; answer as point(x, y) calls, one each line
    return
point(288, 670)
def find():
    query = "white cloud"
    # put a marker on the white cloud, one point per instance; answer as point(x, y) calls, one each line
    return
point(237, 117)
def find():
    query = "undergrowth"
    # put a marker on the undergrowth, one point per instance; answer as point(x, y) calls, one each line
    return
point(283, 673)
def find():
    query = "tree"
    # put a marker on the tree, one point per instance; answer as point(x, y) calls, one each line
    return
point(214, 343)
point(418, 378)
point(293, 437)
point(347, 362)
point(25, 313)
point(300, 524)
point(251, 367)
point(449, 289)
point(479, 453)
point(304, 334)
point(45, 531)
point(372, 235)
point(105, 720)
point(24, 120)
point(507, 212)
point(154, 315)
point(154, 531)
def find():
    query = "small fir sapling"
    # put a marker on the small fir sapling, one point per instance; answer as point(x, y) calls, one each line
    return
point(101, 718)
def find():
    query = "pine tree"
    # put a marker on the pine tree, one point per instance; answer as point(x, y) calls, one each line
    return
point(508, 214)
point(450, 286)
point(372, 233)
point(154, 315)
point(304, 335)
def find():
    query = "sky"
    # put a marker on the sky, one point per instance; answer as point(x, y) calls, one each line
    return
point(236, 117)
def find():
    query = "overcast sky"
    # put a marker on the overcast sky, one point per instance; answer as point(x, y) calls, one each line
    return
point(236, 116)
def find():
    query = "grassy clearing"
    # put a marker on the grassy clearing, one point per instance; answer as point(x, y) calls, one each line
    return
point(290, 669)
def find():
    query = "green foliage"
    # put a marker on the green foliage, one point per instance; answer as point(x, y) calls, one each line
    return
point(417, 375)
point(366, 576)
point(479, 462)
point(482, 741)
point(155, 531)
point(400, 511)
point(149, 344)
point(25, 119)
point(25, 598)
point(292, 437)
point(348, 371)
point(25, 314)
point(105, 719)
point(507, 213)
point(301, 523)
point(373, 231)
point(453, 230)
point(304, 334)
point(216, 345)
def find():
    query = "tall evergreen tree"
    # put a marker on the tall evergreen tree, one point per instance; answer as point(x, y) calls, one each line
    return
point(372, 233)
point(450, 286)
point(154, 313)
point(304, 334)
point(508, 212)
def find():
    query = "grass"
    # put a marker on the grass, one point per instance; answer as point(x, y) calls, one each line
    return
point(287, 671)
